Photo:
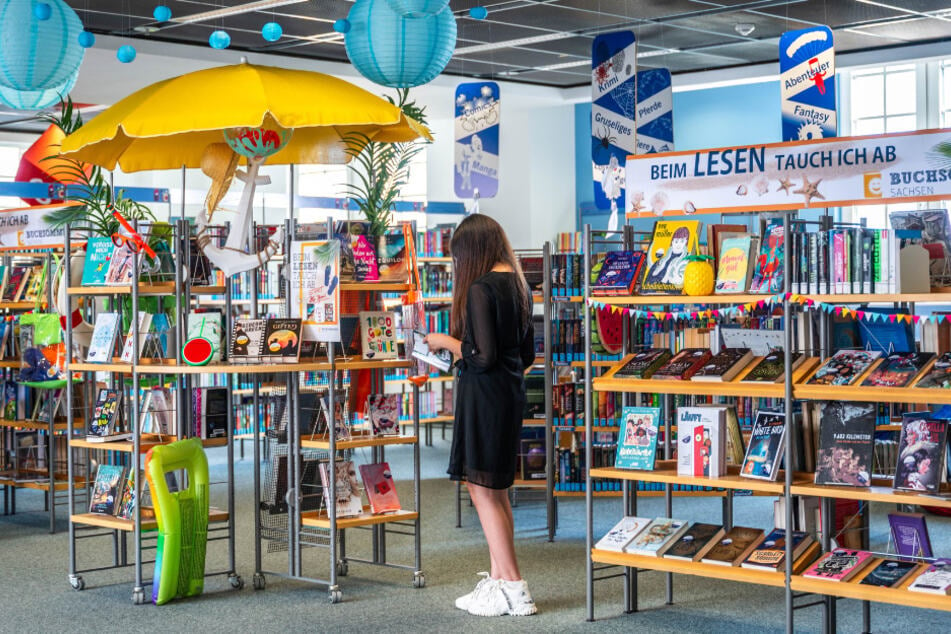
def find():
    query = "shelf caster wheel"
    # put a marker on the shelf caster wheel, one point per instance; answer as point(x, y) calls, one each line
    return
point(77, 582)
point(138, 596)
point(258, 582)
point(236, 581)
point(343, 568)
point(419, 580)
point(335, 596)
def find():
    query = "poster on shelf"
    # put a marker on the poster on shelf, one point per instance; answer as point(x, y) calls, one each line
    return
point(655, 112)
point(315, 288)
point(807, 81)
point(613, 102)
point(24, 227)
point(871, 170)
point(477, 109)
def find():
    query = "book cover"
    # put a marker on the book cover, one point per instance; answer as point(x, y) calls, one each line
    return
point(162, 335)
point(619, 273)
point(378, 335)
point(533, 268)
point(341, 415)
point(163, 414)
point(282, 340)
point(846, 443)
point(889, 573)
point(683, 365)
point(16, 280)
point(105, 332)
point(771, 368)
point(734, 547)
point(839, 565)
point(736, 445)
point(898, 369)
point(348, 501)
point(936, 579)
point(391, 257)
point(717, 233)
point(128, 346)
point(939, 374)
point(637, 443)
point(921, 452)
point(657, 537)
point(126, 508)
point(666, 261)
point(701, 441)
point(765, 450)
point(441, 360)
point(105, 414)
point(98, 254)
point(696, 542)
point(771, 553)
point(33, 288)
point(121, 267)
point(768, 270)
point(531, 456)
point(643, 364)
point(733, 267)
point(724, 365)
point(206, 324)
point(247, 340)
point(909, 532)
point(844, 367)
point(107, 489)
point(623, 533)
point(384, 412)
point(380, 488)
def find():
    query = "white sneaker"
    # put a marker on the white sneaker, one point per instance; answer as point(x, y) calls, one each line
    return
point(519, 599)
point(489, 600)
point(463, 602)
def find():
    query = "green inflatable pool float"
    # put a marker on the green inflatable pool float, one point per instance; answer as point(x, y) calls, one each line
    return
point(182, 519)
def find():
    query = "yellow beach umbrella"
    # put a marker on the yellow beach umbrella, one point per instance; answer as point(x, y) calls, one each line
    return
point(169, 124)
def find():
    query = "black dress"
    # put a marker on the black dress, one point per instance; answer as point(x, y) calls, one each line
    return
point(490, 390)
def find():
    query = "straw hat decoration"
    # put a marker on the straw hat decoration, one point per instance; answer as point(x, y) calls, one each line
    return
point(218, 162)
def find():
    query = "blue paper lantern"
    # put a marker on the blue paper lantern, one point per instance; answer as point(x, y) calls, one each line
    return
point(418, 8)
point(272, 31)
point(478, 13)
point(219, 40)
point(42, 11)
point(125, 54)
point(86, 39)
point(36, 99)
point(162, 13)
point(391, 50)
point(342, 26)
point(38, 55)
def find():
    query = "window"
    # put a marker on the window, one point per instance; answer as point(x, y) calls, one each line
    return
point(884, 99)
point(944, 96)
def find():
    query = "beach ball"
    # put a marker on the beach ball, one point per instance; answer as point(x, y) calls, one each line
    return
point(257, 143)
point(125, 54)
point(36, 99)
point(272, 31)
point(86, 39)
point(392, 50)
point(219, 40)
point(162, 13)
point(417, 8)
point(38, 55)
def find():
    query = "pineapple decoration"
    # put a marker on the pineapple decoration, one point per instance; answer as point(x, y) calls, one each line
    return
point(698, 276)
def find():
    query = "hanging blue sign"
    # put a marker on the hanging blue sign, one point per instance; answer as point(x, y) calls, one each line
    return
point(807, 80)
point(613, 101)
point(477, 140)
point(655, 112)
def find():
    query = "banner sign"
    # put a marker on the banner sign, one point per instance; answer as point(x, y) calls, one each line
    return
point(655, 112)
point(613, 103)
point(315, 288)
point(879, 169)
point(24, 228)
point(477, 140)
point(807, 80)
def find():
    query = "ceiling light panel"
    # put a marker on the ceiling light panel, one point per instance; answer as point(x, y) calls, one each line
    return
point(224, 12)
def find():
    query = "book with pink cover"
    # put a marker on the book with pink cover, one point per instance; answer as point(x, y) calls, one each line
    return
point(380, 487)
point(383, 410)
point(840, 564)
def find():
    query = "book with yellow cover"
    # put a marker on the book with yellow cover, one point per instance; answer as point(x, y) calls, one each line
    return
point(666, 262)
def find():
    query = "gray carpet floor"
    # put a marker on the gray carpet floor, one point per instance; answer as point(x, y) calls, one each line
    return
point(36, 596)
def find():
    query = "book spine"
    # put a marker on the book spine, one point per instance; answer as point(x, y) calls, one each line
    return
point(876, 261)
point(822, 262)
point(796, 271)
point(894, 270)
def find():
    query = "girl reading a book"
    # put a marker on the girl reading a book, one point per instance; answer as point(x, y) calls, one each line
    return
point(670, 267)
point(493, 340)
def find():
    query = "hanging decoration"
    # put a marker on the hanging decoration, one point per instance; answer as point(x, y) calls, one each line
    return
point(477, 108)
point(655, 112)
point(399, 52)
point(342, 26)
point(807, 81)
point(219, 40)
point(272, 31)
point(478, 13)
point(162, 13)
point(37, 55)
point(126, 53)
point(86, 39)
point(42, 11)
point(36, 99)
point(417, 8)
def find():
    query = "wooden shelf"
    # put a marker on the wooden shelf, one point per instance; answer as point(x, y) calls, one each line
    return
point(126, 446)
point(10, 363)
point(699, 569)
point(437, 300)
point(571, 299)
point(534, 422)
point(38, 483)
point(437, 419)
point(320, 520)
point(530, 484)
point(375, 286)
point(880, 491)
point(432, 379)
point(18, 305)
point(853, 589)
point(40, 425)
point(144, 289)
point(261, 302)
point(595, 364)
point(641, 494)
point(167, 366)
point(148, 523)
point(435, 259)
point(883, 298)
point(669, 300)
point(666, 471)
point(360, 440)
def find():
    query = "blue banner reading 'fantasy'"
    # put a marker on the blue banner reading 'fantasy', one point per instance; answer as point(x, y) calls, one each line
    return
point(613, 102)
point(807, 80)
point(477, 140)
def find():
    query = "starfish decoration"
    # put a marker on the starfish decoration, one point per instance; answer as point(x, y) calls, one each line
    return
point(809, 190)
point(785, 184)
point(637, 206)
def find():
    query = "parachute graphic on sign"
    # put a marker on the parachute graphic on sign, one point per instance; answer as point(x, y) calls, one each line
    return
point(807, 80)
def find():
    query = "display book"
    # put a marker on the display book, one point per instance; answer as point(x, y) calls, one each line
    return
point(274, 340)
point(105, 423)
point(378, 483)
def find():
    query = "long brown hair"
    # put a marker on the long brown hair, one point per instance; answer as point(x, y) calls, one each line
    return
point(477, 245)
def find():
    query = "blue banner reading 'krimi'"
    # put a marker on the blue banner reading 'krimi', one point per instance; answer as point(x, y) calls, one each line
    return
point(807, 79)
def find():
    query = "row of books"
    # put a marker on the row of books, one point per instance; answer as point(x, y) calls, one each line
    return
point(616, 485)
point(437, 320)
point(434, 243)
point(568, 242)
point(268, 281)
point(22, 282)
point(436, 281)
point(567, 274)
point(377, 483)
point(845, 260)
point(843, 565)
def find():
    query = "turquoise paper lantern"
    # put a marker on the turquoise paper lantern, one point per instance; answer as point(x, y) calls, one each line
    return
point(86, 39)
point(272, 31)
point(36, 99)
point(219, 40)
point(42, 11)
point(126, 53)
point(161, 13)
point(478, 13)
point(399, 52)
point(418, 8)
point(38, 55)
